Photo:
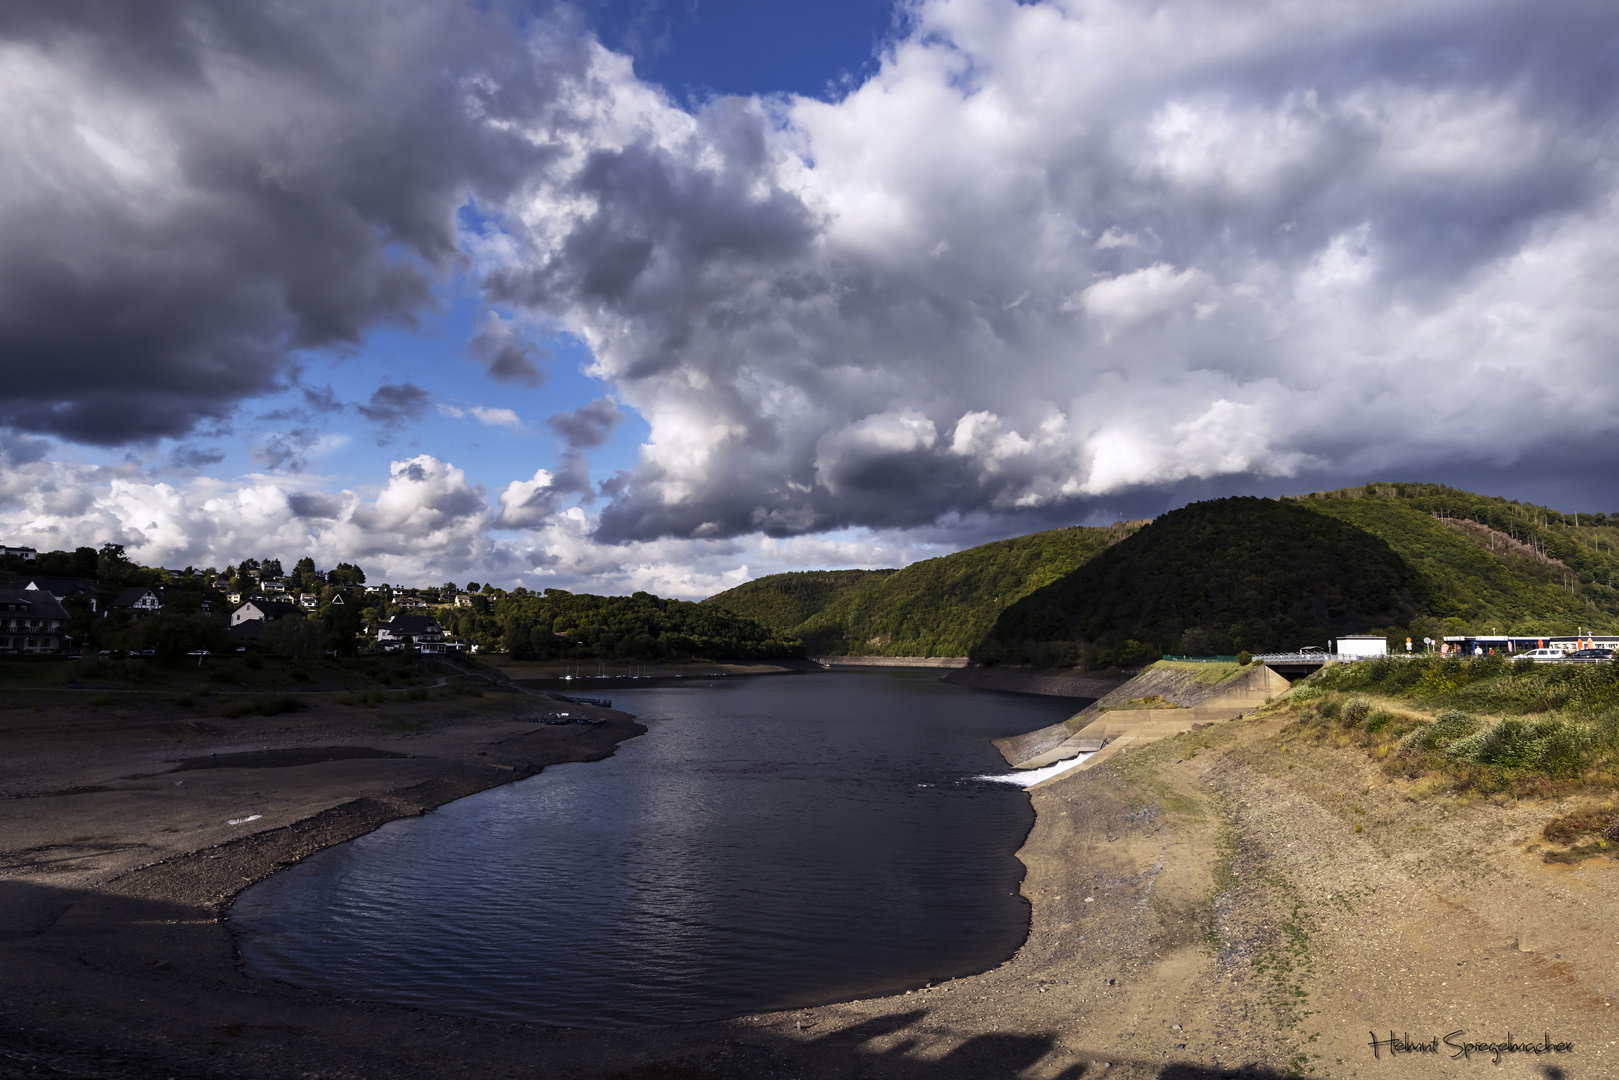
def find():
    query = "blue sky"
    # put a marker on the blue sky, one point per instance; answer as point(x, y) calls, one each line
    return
point(667, 294)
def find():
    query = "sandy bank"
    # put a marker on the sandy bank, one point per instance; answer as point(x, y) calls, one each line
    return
point(1198, 905)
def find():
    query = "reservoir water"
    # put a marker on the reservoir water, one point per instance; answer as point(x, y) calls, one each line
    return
point(770, 843)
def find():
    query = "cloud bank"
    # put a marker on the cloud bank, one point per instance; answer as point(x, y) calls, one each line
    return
point(1049, 256)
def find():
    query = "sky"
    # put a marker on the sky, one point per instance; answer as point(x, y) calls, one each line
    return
point(671, 294)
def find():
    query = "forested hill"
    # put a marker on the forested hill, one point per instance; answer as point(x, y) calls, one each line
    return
point(783, 602)
point(1259, 576)
point(938, 607)
point(1490, 561)
point(1211, 578)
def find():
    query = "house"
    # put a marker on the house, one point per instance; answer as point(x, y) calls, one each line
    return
point(423, 631)
point(27, 554)
point(262, 609)
point(273, 585)
point(463, 600)
point(233, 598)
point(138, 600)
point(31, 621)
point(221, 582)
point(308, 601)
point(411, 603)
point(64, 587)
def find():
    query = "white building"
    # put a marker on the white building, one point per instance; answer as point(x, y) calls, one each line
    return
point(1360, 646)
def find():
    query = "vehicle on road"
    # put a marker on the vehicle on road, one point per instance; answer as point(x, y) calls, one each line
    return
point(1543, 656)
point(1589, 656)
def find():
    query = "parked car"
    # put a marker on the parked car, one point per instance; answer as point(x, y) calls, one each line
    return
point(1589, 656)
point(1542, 656)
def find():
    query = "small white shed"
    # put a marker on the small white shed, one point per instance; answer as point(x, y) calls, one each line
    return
point(1357, 646)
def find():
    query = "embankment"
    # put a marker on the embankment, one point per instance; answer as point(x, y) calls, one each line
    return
point(1165, 699)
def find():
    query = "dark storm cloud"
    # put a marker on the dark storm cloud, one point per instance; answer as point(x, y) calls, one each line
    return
point(589, 425)
point(393, 404)
point(195, 190)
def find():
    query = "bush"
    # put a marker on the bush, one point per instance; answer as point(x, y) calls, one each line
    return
point(1447, 727)
point(1556, 747)
point(1245, 658)
point(1355, 711)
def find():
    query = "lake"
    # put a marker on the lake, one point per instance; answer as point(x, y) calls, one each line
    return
point(770, 843)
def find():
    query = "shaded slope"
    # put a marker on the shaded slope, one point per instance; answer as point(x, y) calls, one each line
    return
point(1212, 577)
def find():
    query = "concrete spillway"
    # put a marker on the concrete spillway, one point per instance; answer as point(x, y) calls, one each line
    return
point(1164, 700)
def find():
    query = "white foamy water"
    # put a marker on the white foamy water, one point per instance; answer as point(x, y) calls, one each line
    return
point(1030, 777)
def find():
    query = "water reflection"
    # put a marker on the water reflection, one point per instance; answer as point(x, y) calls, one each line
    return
point(770, 843)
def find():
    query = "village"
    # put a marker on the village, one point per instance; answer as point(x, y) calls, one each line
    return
point(250, 605)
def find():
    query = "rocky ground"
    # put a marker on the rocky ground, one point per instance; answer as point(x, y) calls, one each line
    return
point(1228, 902)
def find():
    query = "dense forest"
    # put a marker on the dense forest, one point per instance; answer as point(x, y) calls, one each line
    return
point(1212, 578)
point(1462, 563)
point(580, 626)
point(938, 607)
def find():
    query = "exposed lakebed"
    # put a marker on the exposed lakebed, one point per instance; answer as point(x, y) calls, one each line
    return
point(769, 843)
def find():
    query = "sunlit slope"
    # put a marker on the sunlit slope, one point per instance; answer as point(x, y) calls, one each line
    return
point(938, 607)
point(1488, 562)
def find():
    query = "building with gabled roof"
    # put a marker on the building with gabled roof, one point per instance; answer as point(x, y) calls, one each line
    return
point(64, 587)
point(32, 621)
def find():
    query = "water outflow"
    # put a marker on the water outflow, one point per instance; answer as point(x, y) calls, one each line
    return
point(1027, 778)
point(770, 843)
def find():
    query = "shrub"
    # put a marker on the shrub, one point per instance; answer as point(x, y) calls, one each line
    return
point(1380, 719)
point(1302, 694)
point(1355, 711)
point(1448, 726)
point(1332, 710)
point(1245, 658)
point(1556, 747)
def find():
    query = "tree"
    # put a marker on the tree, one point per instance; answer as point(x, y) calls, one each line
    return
point(271, 569)
point(112, 565)
point(342, 622)
point(295, 636)
point(346, 574)
point(472, 586)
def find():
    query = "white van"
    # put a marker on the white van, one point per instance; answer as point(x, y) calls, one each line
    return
point(1542, 656)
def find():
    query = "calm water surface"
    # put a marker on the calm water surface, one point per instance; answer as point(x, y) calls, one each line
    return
point(769, 843)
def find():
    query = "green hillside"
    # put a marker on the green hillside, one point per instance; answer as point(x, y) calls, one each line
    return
point(1213, 577)
point(1490, 562)
point(783, 602)
point(939, 607)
